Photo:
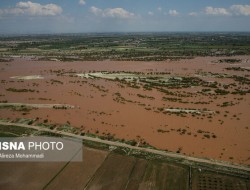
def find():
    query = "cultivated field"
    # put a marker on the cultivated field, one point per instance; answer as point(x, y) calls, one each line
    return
point(106, 170)
point(207, 180)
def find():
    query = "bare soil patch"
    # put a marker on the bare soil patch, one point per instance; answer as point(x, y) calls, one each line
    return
point(24, 175)
point(82, 171)
point(113, 174)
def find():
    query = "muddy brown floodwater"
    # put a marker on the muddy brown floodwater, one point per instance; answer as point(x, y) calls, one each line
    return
point(113, 107)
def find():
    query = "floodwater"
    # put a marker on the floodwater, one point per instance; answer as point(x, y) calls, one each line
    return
point(98, 111)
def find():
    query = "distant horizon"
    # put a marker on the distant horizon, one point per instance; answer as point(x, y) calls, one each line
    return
point(107, 33)
point(95, 16)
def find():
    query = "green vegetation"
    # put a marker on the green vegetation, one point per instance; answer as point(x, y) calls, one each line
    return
point(19, 90)
point(229, 61)
point(56, 81)
point(15, 131)
point(21, 108)
point(237, 69)
point(68, 128)
point(145, 96)
point(221, 92)
point(132, 46)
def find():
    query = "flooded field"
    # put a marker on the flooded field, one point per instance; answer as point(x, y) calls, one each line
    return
point(197, 107)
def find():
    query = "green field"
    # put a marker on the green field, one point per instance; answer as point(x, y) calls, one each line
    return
point(121, 46)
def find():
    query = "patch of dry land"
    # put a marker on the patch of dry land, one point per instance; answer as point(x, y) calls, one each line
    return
point(198, 107)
